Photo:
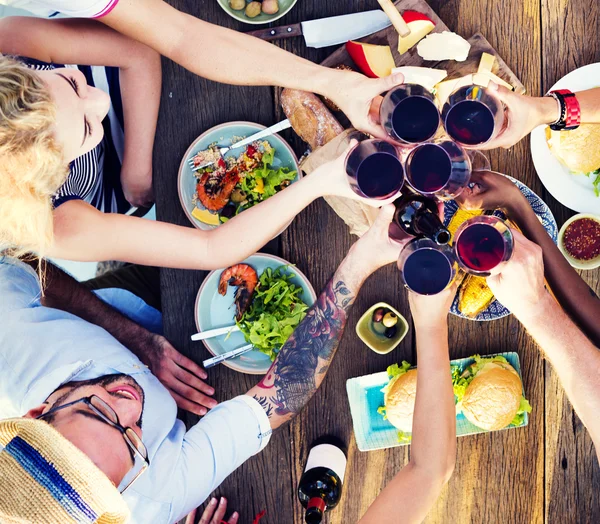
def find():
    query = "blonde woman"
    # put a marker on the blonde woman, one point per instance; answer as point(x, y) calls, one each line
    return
point(64, 177)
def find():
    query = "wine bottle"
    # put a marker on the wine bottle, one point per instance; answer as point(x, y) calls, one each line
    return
point(418, 216)
point(320, 487)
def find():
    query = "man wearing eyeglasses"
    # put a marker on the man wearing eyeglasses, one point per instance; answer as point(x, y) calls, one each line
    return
point(76, 376)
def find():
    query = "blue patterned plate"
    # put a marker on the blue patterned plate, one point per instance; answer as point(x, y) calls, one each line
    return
point(496, 310)
point(373, 432)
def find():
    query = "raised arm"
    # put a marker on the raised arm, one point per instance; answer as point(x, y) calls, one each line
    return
point(576, 361)
point(78, 228)
point(223, 55)
point(303, 361)
point(491, 191)
point(433, 447)
point(179, 375)
point(525, 113)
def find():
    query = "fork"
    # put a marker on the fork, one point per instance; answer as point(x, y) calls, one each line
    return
point(285, 124)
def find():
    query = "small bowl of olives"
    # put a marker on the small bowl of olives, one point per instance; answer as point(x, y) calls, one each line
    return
point(382, 328)
point(257, 11)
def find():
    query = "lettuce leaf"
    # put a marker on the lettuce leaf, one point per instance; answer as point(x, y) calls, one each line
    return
point(595, 175)
point(404, 438)
point(396, 370)
point(275, 311)
point(524, 407)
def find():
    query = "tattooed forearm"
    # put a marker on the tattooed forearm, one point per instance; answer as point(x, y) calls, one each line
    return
point(265, 404)
point(304, 359)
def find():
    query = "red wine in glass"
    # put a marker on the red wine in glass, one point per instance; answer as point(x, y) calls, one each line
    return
point(409, 114)
point(374, 170)
point(482, 244)
point(441, 169)
point(472, 116)
point(426, 268)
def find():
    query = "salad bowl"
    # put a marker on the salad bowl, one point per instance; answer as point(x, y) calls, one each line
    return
point(213, 310)
point(225, 135)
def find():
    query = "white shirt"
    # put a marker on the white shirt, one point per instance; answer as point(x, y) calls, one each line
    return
point(42, 348)
point(75, 8)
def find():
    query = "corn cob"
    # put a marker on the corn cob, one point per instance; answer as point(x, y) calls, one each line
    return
point(461, 216)
point(474, 296)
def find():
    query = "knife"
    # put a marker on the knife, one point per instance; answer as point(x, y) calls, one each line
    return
point(330, 31)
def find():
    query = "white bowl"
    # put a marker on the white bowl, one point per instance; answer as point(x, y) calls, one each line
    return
point(578, 264)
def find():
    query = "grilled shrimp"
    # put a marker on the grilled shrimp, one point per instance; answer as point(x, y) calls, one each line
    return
point(214, 189)
point(244, 277)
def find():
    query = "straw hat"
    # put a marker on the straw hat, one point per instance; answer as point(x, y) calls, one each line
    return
point(45, 479)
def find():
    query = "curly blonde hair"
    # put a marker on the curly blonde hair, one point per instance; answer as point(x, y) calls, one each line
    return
point(32, 166)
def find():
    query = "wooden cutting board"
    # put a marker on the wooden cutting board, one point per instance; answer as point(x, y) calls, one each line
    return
point(389, 36)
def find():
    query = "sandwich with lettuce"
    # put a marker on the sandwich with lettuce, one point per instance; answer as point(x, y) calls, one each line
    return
point(489, 393)
point(399, 399)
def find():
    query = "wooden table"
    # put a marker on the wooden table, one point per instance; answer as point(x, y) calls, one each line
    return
point(544, 473)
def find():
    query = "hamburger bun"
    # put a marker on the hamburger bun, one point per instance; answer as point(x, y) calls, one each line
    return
point(579, 149)
point(399, 400)
point(492, 399)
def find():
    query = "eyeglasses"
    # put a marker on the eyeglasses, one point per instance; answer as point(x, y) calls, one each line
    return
point(110, 417)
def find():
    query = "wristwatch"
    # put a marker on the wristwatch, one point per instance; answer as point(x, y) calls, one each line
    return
point(570, 112)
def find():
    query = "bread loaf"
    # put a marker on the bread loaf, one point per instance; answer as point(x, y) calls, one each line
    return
point(309, 117)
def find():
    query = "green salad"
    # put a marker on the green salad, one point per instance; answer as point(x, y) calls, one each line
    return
point(461, 380)
point(275, 311)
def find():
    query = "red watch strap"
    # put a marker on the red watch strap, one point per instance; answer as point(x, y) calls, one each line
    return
point(573, 116)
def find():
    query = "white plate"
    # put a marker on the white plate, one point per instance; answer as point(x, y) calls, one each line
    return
point(213, 311)
point(573, 191)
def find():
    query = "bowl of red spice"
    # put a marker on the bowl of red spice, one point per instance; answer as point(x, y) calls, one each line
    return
point(579, 241)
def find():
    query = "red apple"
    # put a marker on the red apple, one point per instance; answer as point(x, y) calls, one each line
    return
point(420, 26)
point(375, 61)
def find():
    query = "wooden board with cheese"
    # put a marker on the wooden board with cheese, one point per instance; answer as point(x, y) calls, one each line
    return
point(389, 37)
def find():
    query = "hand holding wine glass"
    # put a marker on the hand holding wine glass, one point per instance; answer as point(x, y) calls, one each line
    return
point(489, 190)
point(431, 311)
point(520, 284)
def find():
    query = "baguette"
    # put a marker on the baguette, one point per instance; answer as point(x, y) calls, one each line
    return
point(310, 118)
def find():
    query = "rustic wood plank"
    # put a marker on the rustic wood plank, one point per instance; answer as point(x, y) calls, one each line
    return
point(572, 471)
point(499, 476)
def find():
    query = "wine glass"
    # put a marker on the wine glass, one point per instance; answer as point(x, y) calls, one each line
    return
point(427, 268)
point(375, 170)
point(483, 244)
point(409, 114)
point(473, 116)
point(440, 169)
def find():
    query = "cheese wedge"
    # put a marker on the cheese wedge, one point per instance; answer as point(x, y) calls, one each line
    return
point(486, 64)
point(443, 46)
point(423, 76)
point(483, 79)
point(444, 89)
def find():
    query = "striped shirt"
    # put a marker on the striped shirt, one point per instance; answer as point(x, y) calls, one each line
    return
point(76, 8)
point(95, 177)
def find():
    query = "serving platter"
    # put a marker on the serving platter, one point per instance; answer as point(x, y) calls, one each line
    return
point(213, 310)
point(573, 191)
point(373, 432)
point(225, 134)
point(496, 310)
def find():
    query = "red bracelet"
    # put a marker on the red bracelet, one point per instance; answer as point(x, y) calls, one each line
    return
point(570, 111)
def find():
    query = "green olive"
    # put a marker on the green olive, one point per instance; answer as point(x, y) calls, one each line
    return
point(253, 9)
point(238, 196)
point(238, 5)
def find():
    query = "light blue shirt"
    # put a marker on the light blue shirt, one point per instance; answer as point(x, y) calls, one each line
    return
point(42, 348)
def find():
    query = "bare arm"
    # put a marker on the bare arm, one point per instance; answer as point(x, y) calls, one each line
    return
point(77, 41)
point(491, 191)
point(433, 449)
point(304, 360)
point(83, 233)
point(223, 55)
point(520, 287)
point(177, 373)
